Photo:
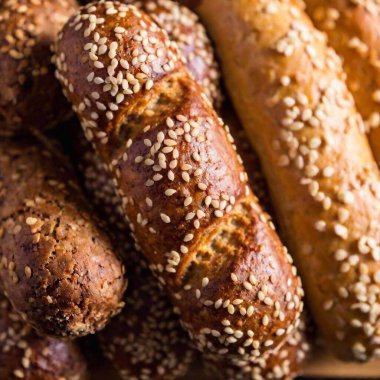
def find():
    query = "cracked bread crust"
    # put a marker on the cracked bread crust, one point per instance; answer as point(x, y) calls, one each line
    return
point(30, 96)
point(57, 265)
point(179, 179)
point(25, 355)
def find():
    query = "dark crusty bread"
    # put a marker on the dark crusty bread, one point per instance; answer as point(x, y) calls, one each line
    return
point(30, 96)
point(183, 189)
point(57, 266)
point(284, 363)
point(353, 30)
point(289, 91)
point(146, 341)
point(25, 355)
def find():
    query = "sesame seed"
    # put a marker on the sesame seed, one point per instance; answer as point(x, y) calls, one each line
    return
point(165, 218)
point(170, 192)
point(188, 201)
point(28, 272)
point(30, 221)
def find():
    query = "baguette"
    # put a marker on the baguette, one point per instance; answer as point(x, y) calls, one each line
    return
point(182, 187)
point(154, 347)
point(353, 30)
point(25, 355)
point(57, 266)
point(289, 91)
point(27, 29)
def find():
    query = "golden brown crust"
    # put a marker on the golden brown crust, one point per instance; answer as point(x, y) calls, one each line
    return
point(182, 186)
point(29, 96)
point(353, 30)
point(57, 265)
point(301, 119)
point(25, 355)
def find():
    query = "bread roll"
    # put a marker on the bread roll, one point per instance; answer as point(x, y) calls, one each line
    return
point(57, 265)
point(289, 91)
point(183, 189)
point(30, 96)
point(25, 355)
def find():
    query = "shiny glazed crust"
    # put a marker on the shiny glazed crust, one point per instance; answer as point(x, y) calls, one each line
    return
point(30, 96)
point(182, 187)
point(57, 266)
point(322, 177)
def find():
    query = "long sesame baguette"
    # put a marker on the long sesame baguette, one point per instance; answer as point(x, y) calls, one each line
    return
point(353, 30)
point(30, 96)
point(183, 189)
point(57, 266)
point(288, 88)
point(25, 355)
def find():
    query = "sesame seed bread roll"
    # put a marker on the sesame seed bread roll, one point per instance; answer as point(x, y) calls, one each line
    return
point(353, 30)
point(57, 266)
point(289, 91)
point(30, 97)
point(284, 363)
point(182, 187)
point(25, 355)
point(146, 341)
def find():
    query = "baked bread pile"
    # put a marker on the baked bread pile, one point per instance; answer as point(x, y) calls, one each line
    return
point(138, 208)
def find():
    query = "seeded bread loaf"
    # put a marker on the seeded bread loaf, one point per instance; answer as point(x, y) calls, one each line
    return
point(57, 266)
point(353, 30)
point(288, 88)
point(182, 187)
point(30, 96)
point(25, 355)
point(284, 363)
point(146, 341)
